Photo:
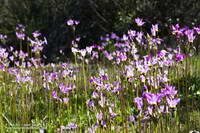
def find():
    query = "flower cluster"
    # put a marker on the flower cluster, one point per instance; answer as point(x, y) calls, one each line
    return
point(20, 32)
point(71, 22)
point(102, 97)
point(190, 34)
point(36, 43)
point(154, 105)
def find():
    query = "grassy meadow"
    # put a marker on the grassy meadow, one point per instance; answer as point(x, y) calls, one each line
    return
point(133, 83)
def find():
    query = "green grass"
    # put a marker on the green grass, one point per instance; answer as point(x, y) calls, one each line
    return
point(32, 104)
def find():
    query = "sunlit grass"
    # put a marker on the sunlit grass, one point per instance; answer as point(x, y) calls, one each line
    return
point(21, 104)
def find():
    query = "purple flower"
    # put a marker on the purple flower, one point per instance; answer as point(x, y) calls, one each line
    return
point(54, 95)
point(96, 81)
point(148, 58)
point(104, 77)
point(53, 76)
point(139, 21)
point(169, 91)
point(103, 123)
point(3, 53)
point(190, 35)
point(154, 29)
point(70, 126)
point(90, 103)
point(156, 40)
point(173, 102)
point(92, 129)
point(131, 34)
point(108, 55)
point(125, 38)
point(161, 53)
point(114, 36)
point(163, 78)
point(95, 55)
point(179, 57)
point(121, 57)
point(197, 29)
point(151, 98)
point(22, 54)
point(36, 34)
point(129, 71)
point(83, 52)
point(161, 109)
point(3, 36)
point(99, 116)
point(139, 37)
point(139, 102)
point(65, 100)
point(117, 86)
point(143, 68)
point(20, 35)
point(113, 115)
point(105, 38)
point(131, 118)
point(20, 29)
point(102, 101)
point(177, 31)
point(65, 88)
point(95, 94)
point(175, 27)
point(89, 49)
point(72, 22)
point(150, 110)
